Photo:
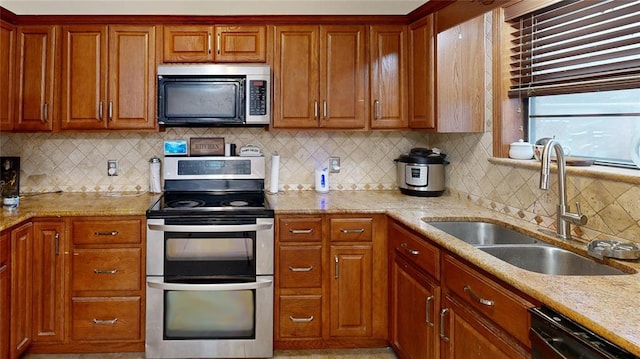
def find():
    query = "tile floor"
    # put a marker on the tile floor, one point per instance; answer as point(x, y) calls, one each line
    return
point(382, 353)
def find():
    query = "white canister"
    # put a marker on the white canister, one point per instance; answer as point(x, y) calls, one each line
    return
point(11, 202)
point(154, 175)
point(521, 150)
point(322, 180)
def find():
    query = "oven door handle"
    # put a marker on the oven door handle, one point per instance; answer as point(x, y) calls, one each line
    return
point(158, 283)
point(211, 228)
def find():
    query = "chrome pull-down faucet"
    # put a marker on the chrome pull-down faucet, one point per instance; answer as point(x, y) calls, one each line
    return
point(564, 217)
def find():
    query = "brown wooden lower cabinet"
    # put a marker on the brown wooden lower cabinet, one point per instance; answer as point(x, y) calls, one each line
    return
point(331, 287)
point(21, 289)
point(5, 296)
point(85, 287)
point(467, 314)
point(49, 268)
point(415, 300)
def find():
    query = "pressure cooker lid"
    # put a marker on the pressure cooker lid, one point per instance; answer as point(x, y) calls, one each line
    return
point(423, 156)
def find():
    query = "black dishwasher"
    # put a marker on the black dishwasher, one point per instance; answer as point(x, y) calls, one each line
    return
point(554, 336)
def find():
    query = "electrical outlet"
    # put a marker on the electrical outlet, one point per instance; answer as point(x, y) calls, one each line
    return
point(112, 167)
point(334, 164)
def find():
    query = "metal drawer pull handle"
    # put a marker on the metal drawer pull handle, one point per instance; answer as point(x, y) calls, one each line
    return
point(427, 318)
point(301, 231)
point(98, 271)
point(337, 266)
point(111, 233)
point(301, 320)
point(477, 298)
point(412, 251)
point(347, 231)
point(105, 322)
point(443, 314)
point(301, 269)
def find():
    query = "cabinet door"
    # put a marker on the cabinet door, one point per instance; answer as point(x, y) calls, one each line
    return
point(350, 288)
point(4, 295)
point(48, 281)
point(21, 288)
point(466, 335)
point(187, 43)
point(241, 44)
point(296, 74)
point(389, 102)
point(422, 75)
point(35, 62)
point(414, 307)
point(132, 77)
point(342, 77)
point(84, 73)
point(7, 53)
point(460, 77)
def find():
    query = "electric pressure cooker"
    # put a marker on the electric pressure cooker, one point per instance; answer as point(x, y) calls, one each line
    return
point(421, 172)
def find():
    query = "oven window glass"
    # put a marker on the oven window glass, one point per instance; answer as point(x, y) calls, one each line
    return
point(210, 254)
point(209, 314)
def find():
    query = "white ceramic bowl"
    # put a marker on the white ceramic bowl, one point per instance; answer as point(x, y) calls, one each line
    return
point(521, 150)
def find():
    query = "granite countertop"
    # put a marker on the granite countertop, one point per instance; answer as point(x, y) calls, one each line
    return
point(605, 304)
point(77, 204)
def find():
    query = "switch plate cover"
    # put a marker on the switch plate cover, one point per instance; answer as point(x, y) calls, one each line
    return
point(112, 167)
point(334, 164)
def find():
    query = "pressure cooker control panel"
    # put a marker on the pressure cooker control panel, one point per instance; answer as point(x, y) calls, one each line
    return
point(417, 175)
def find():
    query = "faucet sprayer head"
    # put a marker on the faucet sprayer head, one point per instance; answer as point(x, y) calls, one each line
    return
point(545, 162)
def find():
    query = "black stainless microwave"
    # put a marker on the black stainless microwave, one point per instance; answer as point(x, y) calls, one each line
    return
point(214, 95)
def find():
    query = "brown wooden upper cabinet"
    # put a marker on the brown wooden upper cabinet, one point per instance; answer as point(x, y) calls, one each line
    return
point(320, 77)
point(215, 43)
point(389, 104)
point(422, 74)
point(35, 61)
point(460, 87)
point(108, 77)
point(7, 52)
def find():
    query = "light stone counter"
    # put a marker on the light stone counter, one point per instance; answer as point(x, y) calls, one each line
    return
point(77, 204)
point(608, 305)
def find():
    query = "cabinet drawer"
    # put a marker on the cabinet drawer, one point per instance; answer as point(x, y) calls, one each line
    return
point(112, 318)
point(300, 229)
point(300, 316)
point(351, 229)
point(500, 305)
point(108, 231)
point(106, 269)
point(300, 266)
point(415, 249)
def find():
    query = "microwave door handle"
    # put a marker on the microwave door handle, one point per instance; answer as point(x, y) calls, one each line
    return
point(158, 283)
point(211, 228)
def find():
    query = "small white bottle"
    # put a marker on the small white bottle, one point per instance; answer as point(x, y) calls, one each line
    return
point(322, 180)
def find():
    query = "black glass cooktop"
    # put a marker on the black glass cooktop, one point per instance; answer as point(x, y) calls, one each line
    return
point(212, 200)
point(209, 203)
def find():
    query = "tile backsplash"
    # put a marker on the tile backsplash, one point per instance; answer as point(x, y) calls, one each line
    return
point(78, 162)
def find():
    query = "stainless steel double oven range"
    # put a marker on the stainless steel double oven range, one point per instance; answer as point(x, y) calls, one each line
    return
point(210, 265)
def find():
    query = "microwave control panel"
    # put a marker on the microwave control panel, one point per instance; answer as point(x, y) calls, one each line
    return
point(257, 97)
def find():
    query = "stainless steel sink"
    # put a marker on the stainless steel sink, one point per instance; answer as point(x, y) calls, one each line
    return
point(521, 250)
point(548, 259)
point(482, 233)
